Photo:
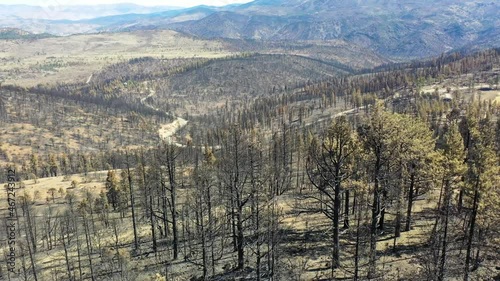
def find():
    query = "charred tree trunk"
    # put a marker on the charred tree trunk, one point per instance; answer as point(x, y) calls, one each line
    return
point(372, 268)
point(346, 209)
point(410, 203)
point(471, 231)
point(336, 217)
point(446, 206)
point(132, 204)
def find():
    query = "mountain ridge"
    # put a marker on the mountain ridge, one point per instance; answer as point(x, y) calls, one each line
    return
point(77, 12)
point(397, 30)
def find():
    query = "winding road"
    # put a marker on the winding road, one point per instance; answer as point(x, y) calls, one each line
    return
point(167, 131)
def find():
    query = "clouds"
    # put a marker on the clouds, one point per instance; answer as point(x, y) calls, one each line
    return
point(175, 3)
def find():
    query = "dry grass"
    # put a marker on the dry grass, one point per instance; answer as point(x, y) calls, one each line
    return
point(94, 182)
point(315, 254)
point(75, 58)
point(442, 88)
point(310, 262)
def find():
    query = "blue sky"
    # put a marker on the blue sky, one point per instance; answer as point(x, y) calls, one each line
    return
point(176, 3)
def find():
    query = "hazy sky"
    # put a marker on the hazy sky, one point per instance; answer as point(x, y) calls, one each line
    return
point(176, 3)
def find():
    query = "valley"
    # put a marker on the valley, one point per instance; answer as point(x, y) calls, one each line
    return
point(272, 140)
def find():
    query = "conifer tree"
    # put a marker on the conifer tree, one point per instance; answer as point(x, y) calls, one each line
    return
point(329, 166)
point(113, 189)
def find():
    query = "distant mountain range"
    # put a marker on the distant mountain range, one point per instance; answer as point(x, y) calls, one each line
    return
point(392, 28)
point(76, 12)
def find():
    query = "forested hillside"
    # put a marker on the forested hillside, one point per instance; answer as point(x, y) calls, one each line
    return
point(274, 167)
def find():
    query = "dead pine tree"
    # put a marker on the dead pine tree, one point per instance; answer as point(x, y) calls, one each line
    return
point(169, 160)
point(132, 202)
point(234, 174)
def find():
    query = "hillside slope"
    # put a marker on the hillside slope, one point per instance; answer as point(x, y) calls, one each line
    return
point(392, 28)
